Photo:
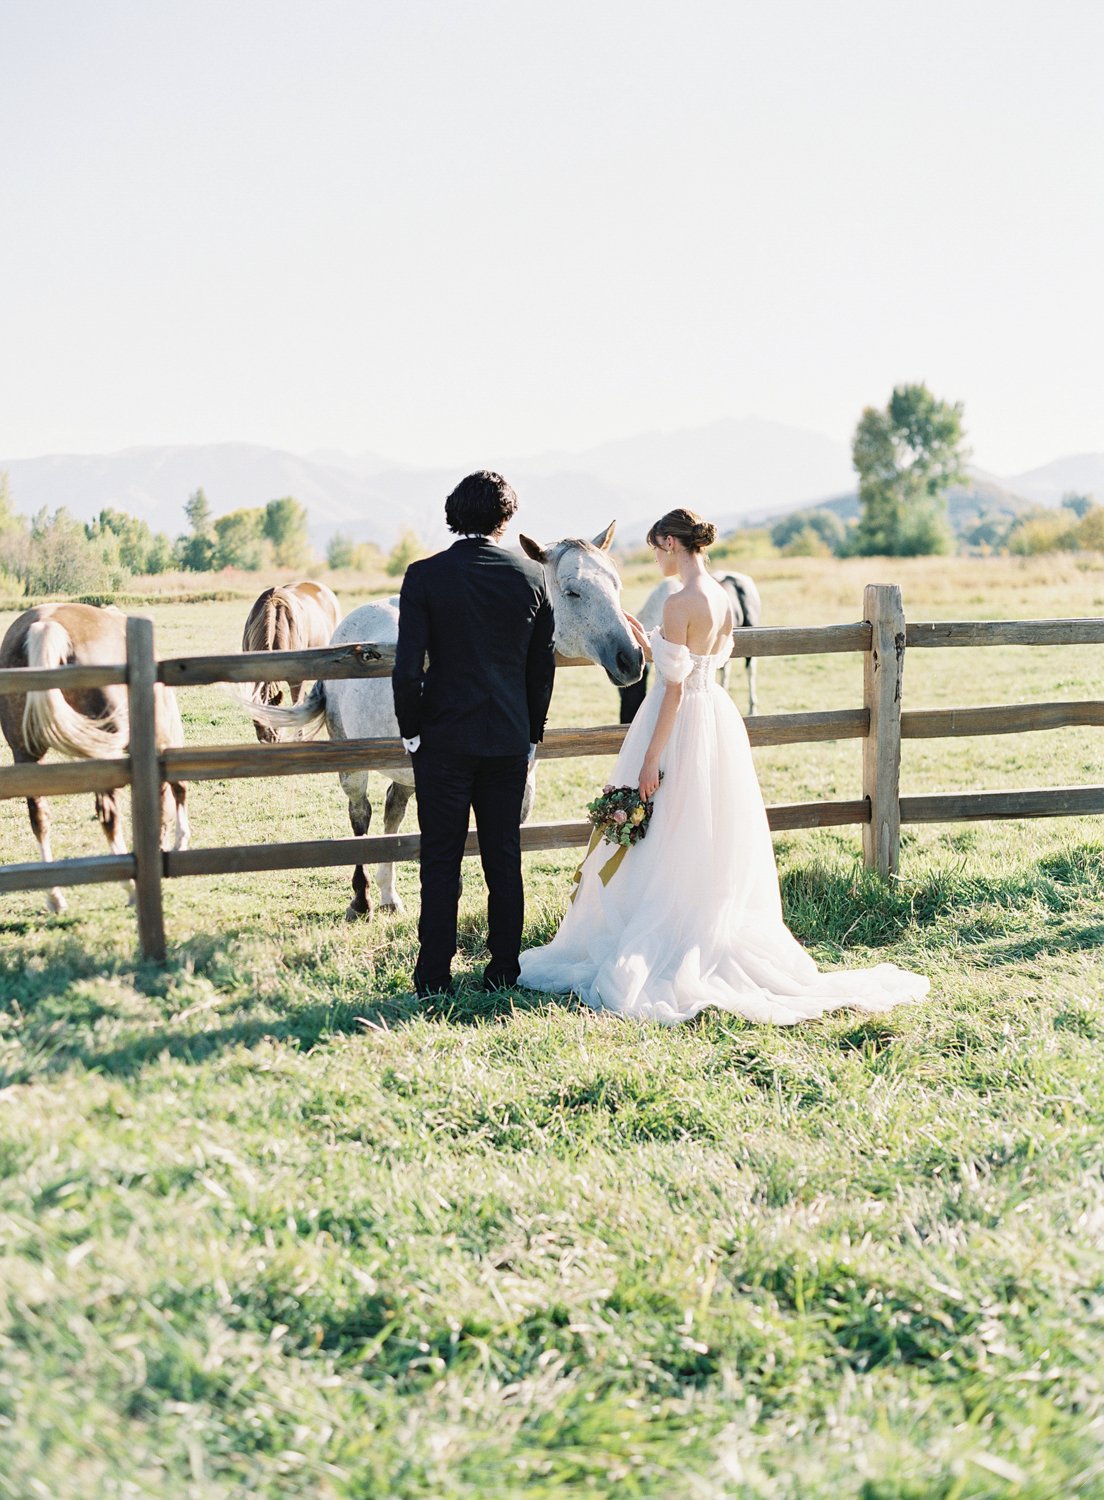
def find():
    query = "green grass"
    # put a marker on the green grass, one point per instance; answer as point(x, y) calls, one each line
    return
point(269, 1226)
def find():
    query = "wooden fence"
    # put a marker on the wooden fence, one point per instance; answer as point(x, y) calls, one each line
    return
point(883, 637)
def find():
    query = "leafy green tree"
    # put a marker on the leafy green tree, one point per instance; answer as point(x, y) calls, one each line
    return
point(240, 540)
point(64, 559)
point(906, 457)
point(1043, 531)
point(340, 552)
point(15, 540)
point(196, 550)
point(405, 551)
point(285, 526)
point(139, 550)
point(160, 558)
point(1079, 504)
point(1090, 529)
point(824, 524)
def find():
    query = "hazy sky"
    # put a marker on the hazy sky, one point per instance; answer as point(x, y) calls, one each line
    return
point(459, 230)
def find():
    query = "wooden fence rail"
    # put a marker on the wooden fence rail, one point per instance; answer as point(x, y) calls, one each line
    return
point(883, 637)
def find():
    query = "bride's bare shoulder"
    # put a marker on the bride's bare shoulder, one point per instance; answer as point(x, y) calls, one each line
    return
point(677, 617)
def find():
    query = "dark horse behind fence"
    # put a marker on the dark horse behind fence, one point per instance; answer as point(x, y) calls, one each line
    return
point(747, 609)
point(85, 723)
point(288, 617)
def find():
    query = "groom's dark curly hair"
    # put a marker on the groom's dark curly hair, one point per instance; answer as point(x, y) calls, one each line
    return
point(482, 503)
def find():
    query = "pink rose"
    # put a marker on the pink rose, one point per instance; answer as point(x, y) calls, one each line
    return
point(620, 816)
point(607, 789)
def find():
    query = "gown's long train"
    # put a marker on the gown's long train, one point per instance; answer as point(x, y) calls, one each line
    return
point(693, 917)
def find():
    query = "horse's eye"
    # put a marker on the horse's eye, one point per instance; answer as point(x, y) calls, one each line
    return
point(571, 593)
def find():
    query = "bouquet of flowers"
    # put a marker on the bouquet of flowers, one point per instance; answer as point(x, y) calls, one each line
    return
point(620, 815)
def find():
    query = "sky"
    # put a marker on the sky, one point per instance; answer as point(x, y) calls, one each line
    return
point(438, 230)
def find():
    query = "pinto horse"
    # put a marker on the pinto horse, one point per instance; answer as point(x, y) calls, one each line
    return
point(289, 617)
point(85, 723)
point(584, 587)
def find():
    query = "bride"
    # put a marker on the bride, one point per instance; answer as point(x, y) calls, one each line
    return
point(692, 916)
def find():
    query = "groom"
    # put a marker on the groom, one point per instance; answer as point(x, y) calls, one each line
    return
point(471, 718)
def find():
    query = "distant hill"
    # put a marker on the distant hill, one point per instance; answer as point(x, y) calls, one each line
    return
point(737, 472)
point(1082, 473)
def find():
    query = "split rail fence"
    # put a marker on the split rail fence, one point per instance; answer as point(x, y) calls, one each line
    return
point(882, 636)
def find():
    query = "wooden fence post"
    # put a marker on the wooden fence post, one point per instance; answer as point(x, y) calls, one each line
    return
point(883, 676)
point(145, 786)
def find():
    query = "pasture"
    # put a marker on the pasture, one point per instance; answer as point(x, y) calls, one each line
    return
point(268, 1226)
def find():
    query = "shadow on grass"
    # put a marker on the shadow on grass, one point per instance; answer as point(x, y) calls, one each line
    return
point(59, 1021)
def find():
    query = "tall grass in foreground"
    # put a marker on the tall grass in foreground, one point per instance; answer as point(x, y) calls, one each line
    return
point(270, 1227)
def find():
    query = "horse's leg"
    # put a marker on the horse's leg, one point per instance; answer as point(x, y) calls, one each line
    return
point(393, 809)
point(753, 699)
point(355, 785)
point(271, 696)
point(110, 815)
point(40, 827)
point(183, 823)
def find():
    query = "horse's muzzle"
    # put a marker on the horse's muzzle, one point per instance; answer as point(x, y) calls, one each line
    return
point(627, 667)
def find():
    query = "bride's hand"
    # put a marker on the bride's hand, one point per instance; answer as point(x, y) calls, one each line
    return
point(649, 778)
point(640, 635)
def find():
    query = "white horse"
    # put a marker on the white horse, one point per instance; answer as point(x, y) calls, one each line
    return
point(747, 609)
point(585, 589)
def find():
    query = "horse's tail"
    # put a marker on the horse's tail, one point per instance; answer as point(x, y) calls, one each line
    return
point(48, 720)
point(308, 716)
point(270, 627)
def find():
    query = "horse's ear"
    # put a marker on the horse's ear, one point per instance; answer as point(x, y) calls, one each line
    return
point(532, 549)
point(604, 538)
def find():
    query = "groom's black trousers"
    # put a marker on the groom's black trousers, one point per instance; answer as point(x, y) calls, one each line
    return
point(447, 787)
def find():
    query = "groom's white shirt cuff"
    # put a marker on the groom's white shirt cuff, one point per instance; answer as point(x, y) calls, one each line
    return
point(412, 747)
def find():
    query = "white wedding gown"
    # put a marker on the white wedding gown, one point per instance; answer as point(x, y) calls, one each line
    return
point(692, 917)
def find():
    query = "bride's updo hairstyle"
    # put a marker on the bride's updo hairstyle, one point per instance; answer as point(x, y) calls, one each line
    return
point(687, 527)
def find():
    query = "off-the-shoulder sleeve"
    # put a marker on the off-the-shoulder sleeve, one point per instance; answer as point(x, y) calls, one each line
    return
point(673, 663)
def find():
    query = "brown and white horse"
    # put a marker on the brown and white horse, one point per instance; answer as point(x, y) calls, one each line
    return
point(288, 617)
point(85, 723)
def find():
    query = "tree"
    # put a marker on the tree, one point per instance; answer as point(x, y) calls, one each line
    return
point(340, 552)
point(139, 550)
point(1090, 530)
point(15, 538)
point(64, 559)
point(906, 457)
point(196, 551)
point(405, 551)
point(1079, 504)
point(824, 524)
point(285, 526)
point(240, 540)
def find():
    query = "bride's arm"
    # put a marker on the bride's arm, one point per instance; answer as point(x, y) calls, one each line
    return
point(675, 629)
point(668, 713)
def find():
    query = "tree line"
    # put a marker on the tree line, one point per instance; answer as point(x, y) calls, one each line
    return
point(54, 553)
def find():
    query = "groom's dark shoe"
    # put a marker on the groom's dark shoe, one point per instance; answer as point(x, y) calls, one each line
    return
point(500, 979)
point(425, 989)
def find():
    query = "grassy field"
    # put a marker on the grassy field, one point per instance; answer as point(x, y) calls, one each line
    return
point(268, 1226)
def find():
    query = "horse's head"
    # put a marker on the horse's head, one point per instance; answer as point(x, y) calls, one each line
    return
point(585, 589)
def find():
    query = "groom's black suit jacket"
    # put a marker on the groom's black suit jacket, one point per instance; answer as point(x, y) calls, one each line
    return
point(484, 618)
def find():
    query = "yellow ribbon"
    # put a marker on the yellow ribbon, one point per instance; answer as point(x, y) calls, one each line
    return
point(605, 874)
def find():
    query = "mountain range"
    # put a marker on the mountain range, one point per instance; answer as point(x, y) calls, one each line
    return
point(735, 471)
